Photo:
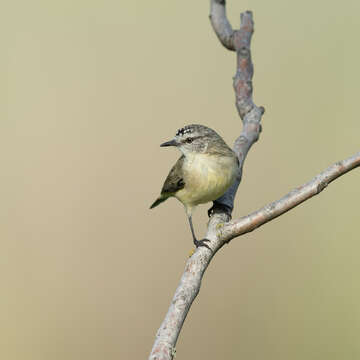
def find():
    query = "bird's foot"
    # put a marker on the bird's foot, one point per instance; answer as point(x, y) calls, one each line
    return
point(219, 207)
point(199, 243)
point(219, 226)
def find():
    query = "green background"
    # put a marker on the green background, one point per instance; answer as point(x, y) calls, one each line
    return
point(88, 91)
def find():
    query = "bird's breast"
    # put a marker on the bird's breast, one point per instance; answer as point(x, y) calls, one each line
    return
point(206, 178)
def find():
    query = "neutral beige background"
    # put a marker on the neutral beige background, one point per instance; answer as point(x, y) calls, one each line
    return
point(89, 89)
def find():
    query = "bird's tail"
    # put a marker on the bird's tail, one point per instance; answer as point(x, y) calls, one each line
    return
point(158, 201)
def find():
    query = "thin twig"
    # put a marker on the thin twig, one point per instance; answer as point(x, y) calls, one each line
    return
point(220, 24)
point(294, 198)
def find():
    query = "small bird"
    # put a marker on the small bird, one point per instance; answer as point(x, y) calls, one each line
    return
point(206, 169)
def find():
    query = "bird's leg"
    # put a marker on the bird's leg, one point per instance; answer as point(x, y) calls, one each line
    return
point(219, 207)
point(197, 243)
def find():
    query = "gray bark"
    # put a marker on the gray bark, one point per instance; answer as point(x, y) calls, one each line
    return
point(220, 230)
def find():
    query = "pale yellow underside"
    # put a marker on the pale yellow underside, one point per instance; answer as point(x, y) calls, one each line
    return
point(206, 178)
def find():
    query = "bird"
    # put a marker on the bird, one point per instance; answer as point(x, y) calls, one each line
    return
point(203, 173)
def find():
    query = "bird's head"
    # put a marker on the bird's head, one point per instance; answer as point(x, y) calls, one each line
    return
point(195, 139)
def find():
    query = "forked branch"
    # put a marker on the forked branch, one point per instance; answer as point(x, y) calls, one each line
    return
point(220, 230)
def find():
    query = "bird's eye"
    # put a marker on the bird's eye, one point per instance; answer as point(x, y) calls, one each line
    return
point(189, 140)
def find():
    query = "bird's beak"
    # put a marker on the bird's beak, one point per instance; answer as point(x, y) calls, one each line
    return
point(169, 143)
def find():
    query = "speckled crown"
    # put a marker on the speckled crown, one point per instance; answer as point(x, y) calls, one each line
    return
point(184, 130)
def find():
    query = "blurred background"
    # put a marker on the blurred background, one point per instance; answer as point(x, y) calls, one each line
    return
point(89, 89)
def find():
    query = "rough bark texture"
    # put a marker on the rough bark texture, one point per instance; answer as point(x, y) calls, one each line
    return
point(239, 40)
point(250, 114)
point(220, 230)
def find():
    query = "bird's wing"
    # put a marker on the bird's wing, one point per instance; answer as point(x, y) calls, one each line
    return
point(174, 181)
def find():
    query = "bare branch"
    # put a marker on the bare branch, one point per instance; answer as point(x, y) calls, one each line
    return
point(195, 267)
point(220, 23)
point(220, 231)
point(164, 346)
point(292, 199)
point(250, 114)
